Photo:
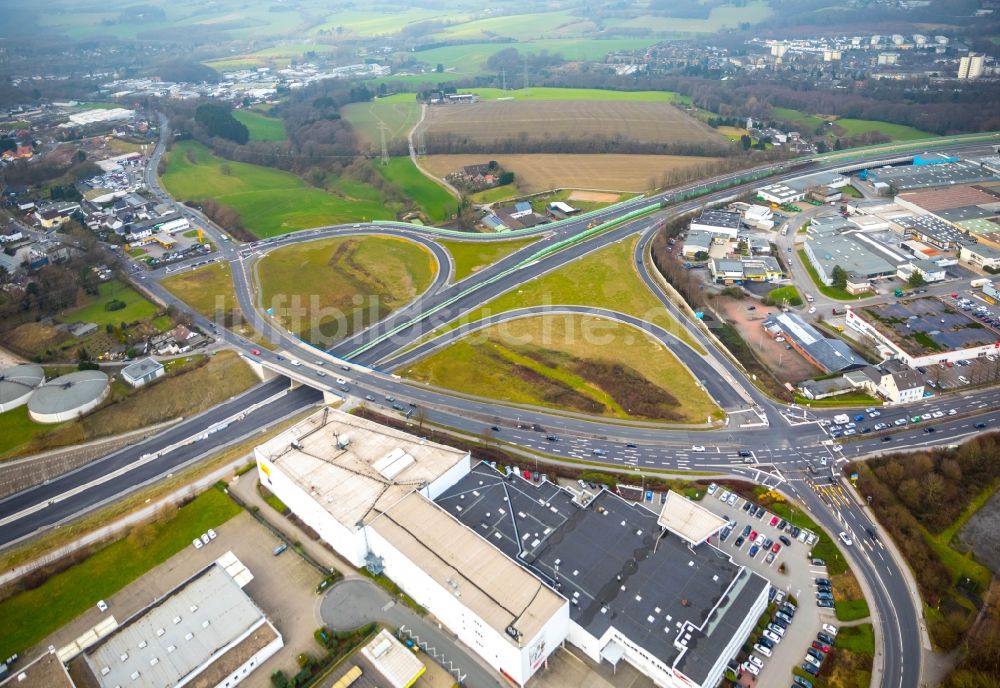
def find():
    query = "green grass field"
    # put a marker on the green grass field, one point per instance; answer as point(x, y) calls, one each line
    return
point(262, 127)
point(851, 610)
point(544, 93)
point(721, 17)
point(136, 306)
point(824, 548)
point(269, 202)
point(433, 199)
point(325, 290)
point(469, 59)
point(537, 361)
point(852, 127)
point(832, 292)
point(807, 122)
point(371, 22)
point(31, 616)
point(613, 284)
point(785, 295)
point(472, 256)
point(17, 429)
point(399, 113)
point(518, 26)
point(497, 193)
point(860, 639)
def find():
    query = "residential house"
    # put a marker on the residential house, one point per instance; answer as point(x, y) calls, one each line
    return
point(142, 371)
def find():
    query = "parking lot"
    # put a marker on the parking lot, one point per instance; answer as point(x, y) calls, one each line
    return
point(786, 564)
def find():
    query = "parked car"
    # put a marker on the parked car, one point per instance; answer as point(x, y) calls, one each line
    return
point(826, 604)
point(812, 660)
point(756, 661)
point(824, 638)
point(830, 629)
point(739, 542)
point(753, 551)
point(776, 629)
point(772, 636)
point(816, 654)
point(809, 669)
point(762, 649)
point(750, 669)
point(802, 682)
point(211, 534)
point(198, 544)
point(102, 606)
point(279, 549)
point(785, 541)
point(712, 488)
point(822, 647)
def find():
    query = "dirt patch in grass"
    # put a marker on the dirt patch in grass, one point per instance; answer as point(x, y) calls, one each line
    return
point(594, 197)
point(611, 369)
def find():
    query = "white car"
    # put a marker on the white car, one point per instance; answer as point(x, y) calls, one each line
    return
point(697, 448)
point(760, 540)
point(731, 501)
point(938, 414)
point(837, 448)
point(952, 412)
point(197, 543)
point(772, 636)
point(776, 629)
point(341, 381)
point(211, 534)
point(846, 539)
point(102, 606)
point(766, 651)
point(712, 488)
point(925, 416)
point(880, 426)
point(899, 421)
point(874, 413)
point(756, 661)
point(829, 629)
point(724, 495)
point(811, 539)
point(812, 309)
point(295, 362)
point(779, 339)
point(205, 539)
point(750, 668)
point(812, 660)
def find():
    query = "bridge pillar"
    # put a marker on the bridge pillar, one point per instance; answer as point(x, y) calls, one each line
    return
point(265, 374)
point(331, 399)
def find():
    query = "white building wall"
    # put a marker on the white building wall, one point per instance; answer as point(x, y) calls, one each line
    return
point(496, 648)
point(262, 655)
point(349, 543)
point(441, 484)
point(731, 232)
point(896, 352)
point(737, 640)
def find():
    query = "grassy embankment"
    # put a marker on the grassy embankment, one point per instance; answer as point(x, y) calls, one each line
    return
point(209, 291)
point(611, 282)
point(32, 615)
point(192, 384)
point(577, 363)
point(326, 290)
point(472, 256)
point(433, 199)
point(848, 127)
point(269, 202)
point(831, 292)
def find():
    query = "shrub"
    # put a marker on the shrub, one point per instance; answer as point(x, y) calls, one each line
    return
point(114, 305)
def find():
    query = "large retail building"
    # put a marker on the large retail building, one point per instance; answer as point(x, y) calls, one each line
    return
point(514, 568)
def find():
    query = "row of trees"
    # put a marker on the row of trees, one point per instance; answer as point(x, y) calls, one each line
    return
point(450, 142)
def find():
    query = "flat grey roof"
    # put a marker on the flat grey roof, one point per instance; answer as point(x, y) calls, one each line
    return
point(941, 174)
point(71, 391)
point(19, 380)
point(832, 354)
point(718, 218)
point(927, 325)
point(176, 634)
point(934, 228)
point(966, 212)
point(601, 557)
point(141, 368)
point(851, 255)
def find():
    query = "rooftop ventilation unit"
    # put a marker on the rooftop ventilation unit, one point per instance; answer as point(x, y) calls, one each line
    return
point(343, 441)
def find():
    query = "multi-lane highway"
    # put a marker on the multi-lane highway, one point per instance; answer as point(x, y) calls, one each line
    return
point(789, 448)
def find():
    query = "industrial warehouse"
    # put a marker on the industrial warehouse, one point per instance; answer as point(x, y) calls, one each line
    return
point(512, 567)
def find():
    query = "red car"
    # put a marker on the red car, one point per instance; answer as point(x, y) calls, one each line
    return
point(255, 352)
point(776, 548)
point(774, 521)
point(753, 536)
point(820, 646)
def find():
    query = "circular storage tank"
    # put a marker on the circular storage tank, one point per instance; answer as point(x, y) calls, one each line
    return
point(68, 397)
point(17, 384)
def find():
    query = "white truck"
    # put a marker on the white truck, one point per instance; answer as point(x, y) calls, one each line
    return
point(842, 419)
point(980, 282)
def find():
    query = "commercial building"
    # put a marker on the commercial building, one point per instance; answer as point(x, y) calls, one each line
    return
point(717, 222)
point(368, 491)
point(893, 381)
point(780, 193)
point(759, 216)
point(697, 242)
point(394, 663)
point(924, 331)
point(980, 256)
point(44, 672)
point(931, 230)
point(205, 632)
point(745, 269)
point(928, 271)
point(847, 251)
point(515, 568)
point(643, 588)
point(829, 355)
point(922, 176)
point(141, 372)
point(88, 117)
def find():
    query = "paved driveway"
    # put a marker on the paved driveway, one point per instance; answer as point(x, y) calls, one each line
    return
point(355, 602)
